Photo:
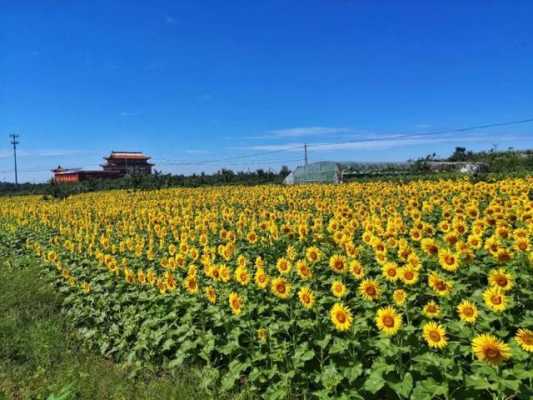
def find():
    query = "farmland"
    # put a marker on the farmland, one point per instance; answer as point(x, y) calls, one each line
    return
point(367, 290)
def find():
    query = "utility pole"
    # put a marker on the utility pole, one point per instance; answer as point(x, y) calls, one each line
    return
point(14, 142)
point(305, 153)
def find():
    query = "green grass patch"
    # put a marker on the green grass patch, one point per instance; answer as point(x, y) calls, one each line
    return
point(42, 358)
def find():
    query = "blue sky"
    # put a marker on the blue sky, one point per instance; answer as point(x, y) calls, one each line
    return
point(200, 85)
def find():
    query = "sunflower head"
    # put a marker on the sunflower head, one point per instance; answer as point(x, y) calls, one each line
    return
point(467, 311)
point(337, 263)
point(369, 289)
point(490, 349)
point(281, 288)
point(435, 335)
point(390, 271)
point(338, 289)
point(524, 337)
point(399, 296)
point(495, 299)
point(235, 303)
point(431, 310)
point(501, 279)
point(341, 317)
point(388, 321)
point(306, 297)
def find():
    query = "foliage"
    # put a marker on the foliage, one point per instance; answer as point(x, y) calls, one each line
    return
point(301, 292)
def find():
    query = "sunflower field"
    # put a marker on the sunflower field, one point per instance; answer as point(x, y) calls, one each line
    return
point(374, 290)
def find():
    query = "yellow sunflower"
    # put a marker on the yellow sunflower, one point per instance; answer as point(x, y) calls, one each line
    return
point(306, 297)
point(303, 270)
point(490, 349)
point(524, 337)
point(388, 321)
point(369, 289)
point(341, 317)
point(338, 289)
point(439, 285)
point(283, 265)
point(235, 303)
point(408, 275)
point(261, 278)
point(467, 311)
point(431, 310)
point(448, 260)
point(281, 288)
point(337, 263)
point(390, 271)
point(399, 296)
point(211, 294)
point(495, 299)
point(313, 254)
point(356, 269)
point(501, 279)
point(435, 335)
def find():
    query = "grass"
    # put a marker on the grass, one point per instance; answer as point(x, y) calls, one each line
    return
point(41, 357)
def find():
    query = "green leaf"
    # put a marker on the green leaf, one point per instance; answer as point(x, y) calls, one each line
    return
point(338, 346)
point(353, 372)
point(403, 387)
point(374, 382)
point(429, 389)
point(330, 377)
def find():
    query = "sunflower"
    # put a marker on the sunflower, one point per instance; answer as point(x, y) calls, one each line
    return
point(435, 335)
point(501, 279)
point(490, 349)
point(399, 296)
point(306, 297)
point(283, 265)
point(341, 317)
point(356, 269)
point(521, 244)
point(388, 321)
point(251, 237)
point(448, 260)
point(261, 278)
point(369, 289)
point(524, 337)
point(390, 271)
point(313, 254)
point(414, 261)
point(431, 310)
point(439, 285)
point(408, 275)
point(495, 299)
point(467, 311)
point(429, 246)
point(337, 263)
point(303, 270)
point(191, 284)
point(211, 294)
point(242, 276)
point(225, 273)
point(235, 303)
point(281, 288)
point(338, 289)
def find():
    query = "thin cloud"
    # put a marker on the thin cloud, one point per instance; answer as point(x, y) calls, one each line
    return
point(385, 142)
point(197, 151)
point(308, 131)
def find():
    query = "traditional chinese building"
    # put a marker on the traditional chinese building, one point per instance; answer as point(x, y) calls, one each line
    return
point(128, 162)
point(118, 164)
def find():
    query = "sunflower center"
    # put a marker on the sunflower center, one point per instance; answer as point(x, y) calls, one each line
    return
point(527, 339)
point(339, 264)
point(388, 321)
point(468, 311)
point(496, 299)
point(440, 285)
point(392, 272)
point(434, 336)
point(492, 353)
point(371, 291)
point(501, 281)
point(408, 275)
point(280, 287)
point(341, 317)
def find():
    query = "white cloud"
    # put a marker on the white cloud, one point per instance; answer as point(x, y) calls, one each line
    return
point(309, 131)
point(197, 151)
